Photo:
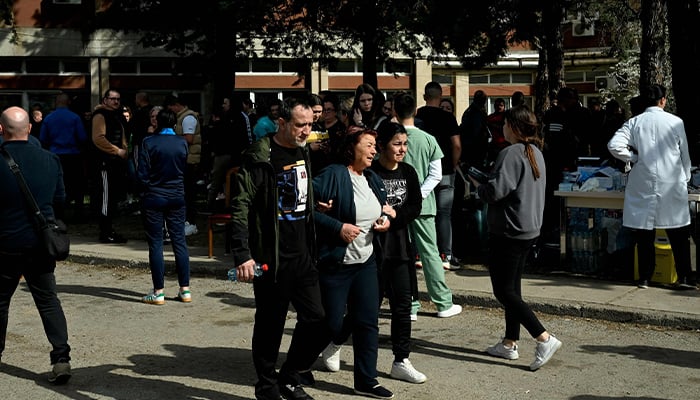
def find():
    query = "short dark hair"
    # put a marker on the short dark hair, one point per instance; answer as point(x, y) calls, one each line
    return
point(288, 105)
point(109, 90)
point(404, 105)
point(652, 94)
point(166, 119)
point(433, 90)
point(171, 100)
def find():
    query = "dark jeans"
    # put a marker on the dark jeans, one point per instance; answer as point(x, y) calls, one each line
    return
point(507, 259)
point(191, 188)
point(155, 210)
point(73, 166)
point(680, 246)
point(355, 287)
point(296, 283)
point(40, 279)
point(401, 284)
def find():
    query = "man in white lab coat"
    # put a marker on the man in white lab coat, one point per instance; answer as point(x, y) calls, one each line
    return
point(656, 195)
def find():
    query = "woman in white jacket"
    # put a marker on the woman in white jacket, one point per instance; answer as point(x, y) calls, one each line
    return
point(656, 195)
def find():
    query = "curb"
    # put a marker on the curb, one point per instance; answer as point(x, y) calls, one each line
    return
point(577, 309)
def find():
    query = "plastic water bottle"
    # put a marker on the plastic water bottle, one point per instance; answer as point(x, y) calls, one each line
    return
point(259, 270)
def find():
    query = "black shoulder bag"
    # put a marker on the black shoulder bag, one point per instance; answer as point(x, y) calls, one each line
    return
point(52, 234)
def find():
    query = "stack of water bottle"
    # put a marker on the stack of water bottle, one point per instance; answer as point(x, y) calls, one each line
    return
point(585, 239)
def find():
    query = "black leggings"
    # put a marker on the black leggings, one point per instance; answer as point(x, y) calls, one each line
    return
point(506, 264)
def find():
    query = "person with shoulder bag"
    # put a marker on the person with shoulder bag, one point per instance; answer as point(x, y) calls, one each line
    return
point(22, 247)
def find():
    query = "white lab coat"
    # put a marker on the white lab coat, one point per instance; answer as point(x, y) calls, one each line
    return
point(656, 195)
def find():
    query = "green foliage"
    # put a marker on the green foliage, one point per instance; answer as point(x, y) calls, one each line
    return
point(7, 18)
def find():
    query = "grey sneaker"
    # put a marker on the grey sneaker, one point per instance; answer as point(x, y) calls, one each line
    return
point(331, 357)
point(405, 371)
point(500, 350)
point(544, 351)
point(60, 373)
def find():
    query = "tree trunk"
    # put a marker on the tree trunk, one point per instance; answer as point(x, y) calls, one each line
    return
point(683, 17)
point(369, 60)
point(653, 15)
point(553, 44)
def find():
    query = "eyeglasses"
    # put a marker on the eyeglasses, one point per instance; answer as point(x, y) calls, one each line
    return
point(329, 110)
point(386, 108)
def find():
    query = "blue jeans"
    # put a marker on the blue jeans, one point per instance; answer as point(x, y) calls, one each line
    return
point(444, 197)
point(157, 209)
point(38, 273)
point(355, 287)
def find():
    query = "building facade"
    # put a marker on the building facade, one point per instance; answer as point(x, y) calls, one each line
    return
point(45, 59)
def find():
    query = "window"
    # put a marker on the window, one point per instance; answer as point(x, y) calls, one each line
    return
point(499, 79)
point(347, 66)
point(443, 79)
point(76, 66)
point(41, 66)
point(574, 76)
point(243, 65)
point(477, 78)
point(122, 66)
point(290, 66)
point(11, 66)
point(263, 65)
point(521, 78)
point(162, 67)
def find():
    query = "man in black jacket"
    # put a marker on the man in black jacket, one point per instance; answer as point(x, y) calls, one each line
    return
point(19, 242)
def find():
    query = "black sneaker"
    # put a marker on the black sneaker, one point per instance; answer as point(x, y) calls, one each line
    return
point(60, 373)
point(292, 392)
point(377, 392)
point(112, 238)
point(685, 284)
point(306, 378)
point(643, 284)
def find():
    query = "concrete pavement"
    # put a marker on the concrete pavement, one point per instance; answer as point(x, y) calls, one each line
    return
point(559, 294)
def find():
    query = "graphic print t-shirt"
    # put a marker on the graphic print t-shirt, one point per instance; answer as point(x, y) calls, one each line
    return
point(292, 188)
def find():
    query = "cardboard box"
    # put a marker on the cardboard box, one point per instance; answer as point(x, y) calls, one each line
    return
point(665, 270)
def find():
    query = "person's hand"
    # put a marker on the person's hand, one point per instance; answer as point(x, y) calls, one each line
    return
point(122, 153)
point(324, 207)
point(389, 210)
point(357, 117)
point(475, 183)
point(382, 224)
point(349, 232)
point(315, 146)
point(246, 271)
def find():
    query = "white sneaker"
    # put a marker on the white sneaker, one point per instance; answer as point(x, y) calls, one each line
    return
point(405, 371)
point(450, 312)
point(331, 357)
point(190, 229)
point(500, 350)
point(544, 351)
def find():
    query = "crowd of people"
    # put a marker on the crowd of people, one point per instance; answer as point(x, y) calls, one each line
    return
point(343, 199)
